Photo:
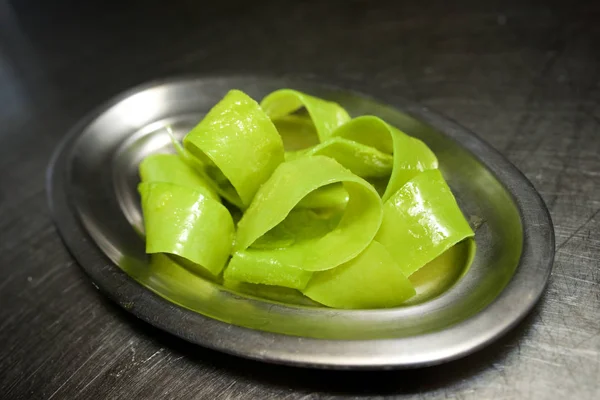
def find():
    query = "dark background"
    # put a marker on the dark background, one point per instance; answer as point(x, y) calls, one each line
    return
point(523, 75)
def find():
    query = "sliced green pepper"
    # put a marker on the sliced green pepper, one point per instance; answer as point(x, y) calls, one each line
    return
point(183, 221)
point(238, 145)
point(326, 115)
point(371, 280)
point(291, 182)
point(421, 221)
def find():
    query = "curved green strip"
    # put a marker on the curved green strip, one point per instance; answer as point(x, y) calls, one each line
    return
point(364, 161)
point(297, 132)
point(410, 155)
point(291, 182)
point(183, 221)
point(371, 280)
point(171, 168)
point(326, 197)
point(238, 145)
point(326, 115)
point(421, 221)
point(251, 268)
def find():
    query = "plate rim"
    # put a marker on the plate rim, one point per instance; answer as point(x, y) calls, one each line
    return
point(538, 234)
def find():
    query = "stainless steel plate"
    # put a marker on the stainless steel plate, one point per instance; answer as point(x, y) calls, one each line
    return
point(91, 186)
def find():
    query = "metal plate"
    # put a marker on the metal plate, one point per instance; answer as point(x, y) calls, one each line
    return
point(91, 185)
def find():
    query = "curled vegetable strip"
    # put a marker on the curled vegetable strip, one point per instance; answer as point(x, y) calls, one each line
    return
point(262, 269)
point(410, 155)
point(310, 221)
point(330, 196)
point(238, 145)
point(421, 221)
point(184, 221)
point(172, 168)
point(364, 161)
point(326, 115)
point(371, 280)
point(291, 182)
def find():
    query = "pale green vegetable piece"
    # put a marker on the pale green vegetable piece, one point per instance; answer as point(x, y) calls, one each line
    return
point(263, 269)
point(238, 146)
point(182, 221)
point(364, 161)
point(410, 155)
point(199, 168)
point(330, 196)
point(171, 168)
point(421, 221)
point(326, 115)
point(371, 280)
point(291, 182)
point(299, 225)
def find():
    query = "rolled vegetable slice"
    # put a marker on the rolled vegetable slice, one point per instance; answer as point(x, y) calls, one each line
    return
point(410, 155)
point(421, 221)
point(171, 168)
point(371, 280)
point(287, 186)
point(183, 221)
point(238, 145)
point(326, 115)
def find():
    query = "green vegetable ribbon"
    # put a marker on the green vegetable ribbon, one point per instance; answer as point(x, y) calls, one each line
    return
point(421, 221)
point(325, 115)
point(183, 216)
point(371, 280)
point(345, 216)
point(238, 145)
point(309, 250)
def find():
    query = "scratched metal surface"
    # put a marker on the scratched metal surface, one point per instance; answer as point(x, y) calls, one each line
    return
point(526, 77)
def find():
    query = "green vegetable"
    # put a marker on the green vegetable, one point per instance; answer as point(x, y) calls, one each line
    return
point(183, 221)
point(410, 155)
point(326, 115)
point(292, 181)
point(364, 161)
point(354, 215)
point(171, 168)
point(262, 269)
point(330, 196)
point(421, 221)
point(238, 145)
point(371, 280)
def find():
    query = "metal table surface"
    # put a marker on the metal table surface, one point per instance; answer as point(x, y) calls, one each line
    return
point(523, 75)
